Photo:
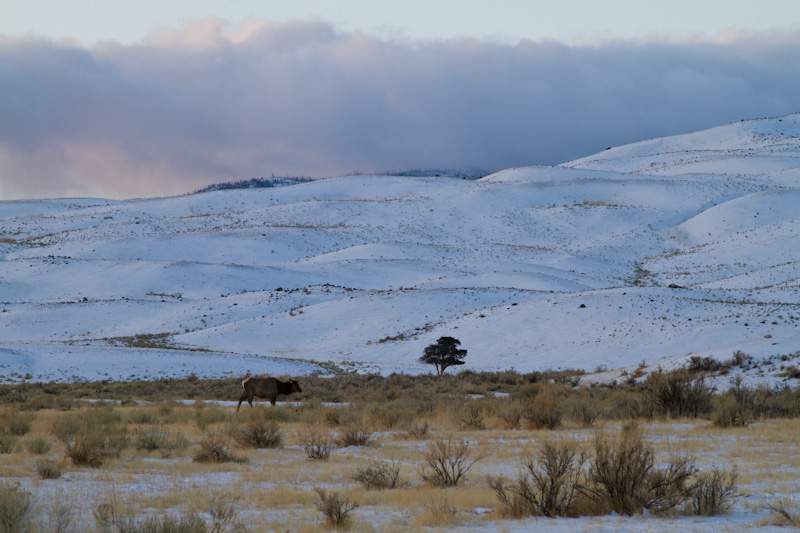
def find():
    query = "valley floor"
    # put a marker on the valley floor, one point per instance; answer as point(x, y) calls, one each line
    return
point(274, 490)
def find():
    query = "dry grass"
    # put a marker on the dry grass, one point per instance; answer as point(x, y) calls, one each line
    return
point(438, 513)
point(274, 490)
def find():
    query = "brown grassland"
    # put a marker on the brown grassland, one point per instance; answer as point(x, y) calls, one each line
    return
point(371, 453)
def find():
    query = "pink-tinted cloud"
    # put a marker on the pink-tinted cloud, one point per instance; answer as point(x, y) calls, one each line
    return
point(207, 103)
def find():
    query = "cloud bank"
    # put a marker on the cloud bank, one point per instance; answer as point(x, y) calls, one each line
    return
point(206, 103)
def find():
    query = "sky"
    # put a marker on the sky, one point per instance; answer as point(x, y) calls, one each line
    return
point(122, 99)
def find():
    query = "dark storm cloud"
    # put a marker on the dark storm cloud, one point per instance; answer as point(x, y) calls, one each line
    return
point(206, 103)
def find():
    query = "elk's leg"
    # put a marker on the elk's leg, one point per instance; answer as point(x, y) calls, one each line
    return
point(240, 402)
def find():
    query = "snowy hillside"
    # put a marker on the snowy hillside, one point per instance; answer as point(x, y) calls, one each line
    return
point(531, 268)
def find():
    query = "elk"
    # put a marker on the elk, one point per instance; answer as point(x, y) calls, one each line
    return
point(268, 388)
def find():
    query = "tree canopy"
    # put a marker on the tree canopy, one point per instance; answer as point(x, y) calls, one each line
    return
point(444, 353)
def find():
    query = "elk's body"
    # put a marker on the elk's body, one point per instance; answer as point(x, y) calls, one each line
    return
point(268, 388)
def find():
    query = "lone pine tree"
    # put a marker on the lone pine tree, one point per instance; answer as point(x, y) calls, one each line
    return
point(443, 354)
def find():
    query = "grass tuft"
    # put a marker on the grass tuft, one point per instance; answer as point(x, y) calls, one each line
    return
point(38, 446)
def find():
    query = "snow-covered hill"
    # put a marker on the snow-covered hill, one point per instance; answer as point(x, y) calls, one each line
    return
point(652, 252)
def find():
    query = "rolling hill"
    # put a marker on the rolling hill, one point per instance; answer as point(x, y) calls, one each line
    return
point(646, 254)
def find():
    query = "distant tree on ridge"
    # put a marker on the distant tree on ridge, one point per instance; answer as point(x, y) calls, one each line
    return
point(443, 354)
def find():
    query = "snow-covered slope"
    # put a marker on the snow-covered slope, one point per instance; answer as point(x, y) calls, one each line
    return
point(531, 268)
point(763, 150)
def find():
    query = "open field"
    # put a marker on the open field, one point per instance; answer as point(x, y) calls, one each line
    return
point(150, 458)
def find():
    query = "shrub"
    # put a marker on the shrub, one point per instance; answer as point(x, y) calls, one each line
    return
point(418, 430)
point(214, 448)
point(623, 476)
point(527, 391)
point(92, 448)
point(471, 417)
point(389, 416)
point(510, 413)
point(318, 446)
point(104, 516)
point(8, 443)
point(585, 412)
point(38, 446)
point(712, 492)
point(261, 434)
point(792, 372)
point(677, 394)
point(703, 364)
point(548, 484)
point(335, 509)
point(143, 416)
point(49, 469)
point(60, 518)
point(517, 500)
point(16, 509)
point(91, 437)
point(355, 436)
point(727, 413)
point(447, 462)
point(108, 520)
point(629, 404)
point(19, 426)
point(160, 440)
point(739, 359)
point(380, 475)
point(222, 510)
point(186, 523)
point(544, 411)
point(753, 400)
point(741, 405)
point(150, 440)
point(786, 511)
point(785, 402)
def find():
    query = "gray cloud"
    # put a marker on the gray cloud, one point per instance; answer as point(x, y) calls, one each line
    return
point(206, 103)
